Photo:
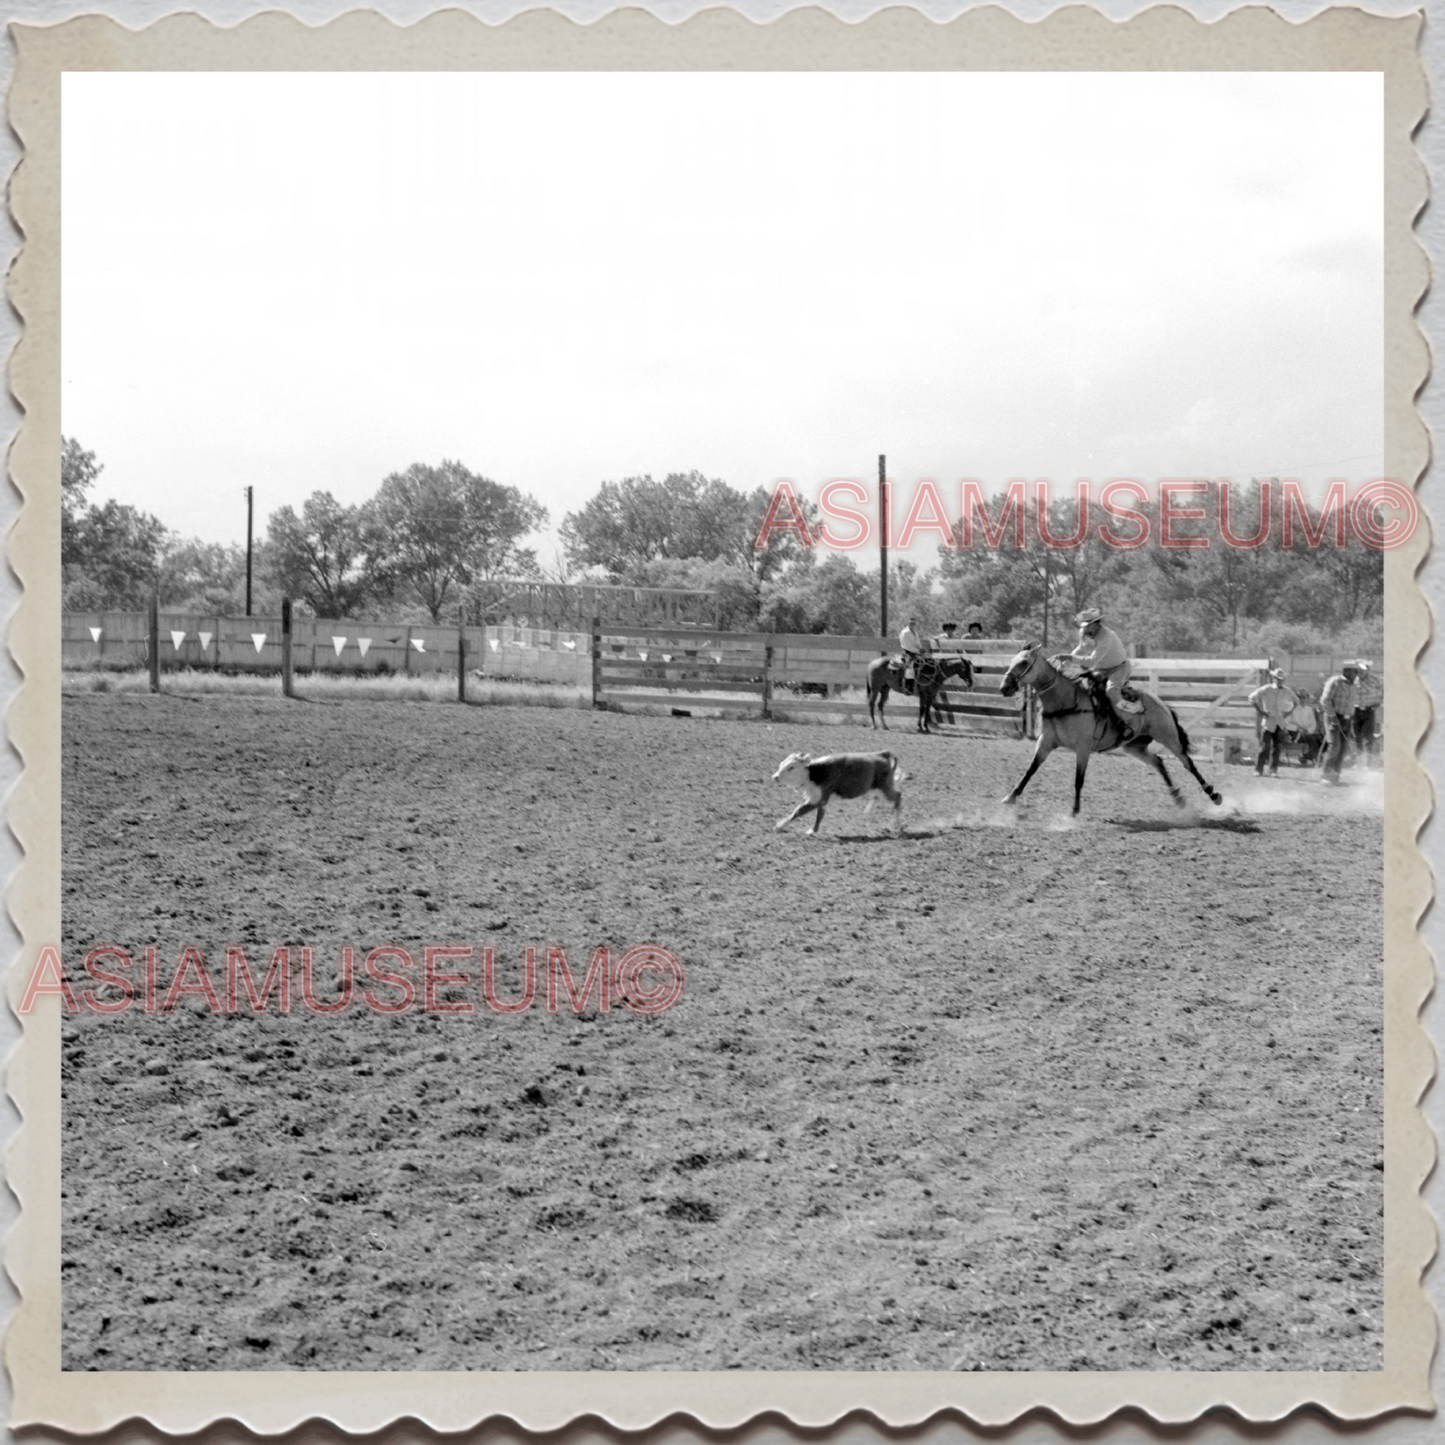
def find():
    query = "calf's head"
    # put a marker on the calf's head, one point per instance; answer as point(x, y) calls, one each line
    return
point(793, 768)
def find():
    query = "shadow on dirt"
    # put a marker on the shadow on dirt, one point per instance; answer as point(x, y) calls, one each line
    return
point(1168, 825)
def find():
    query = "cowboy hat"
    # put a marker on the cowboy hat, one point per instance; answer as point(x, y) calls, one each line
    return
point(1277, 673)
point(1363, 665)
point(1088, 615)
point(1354, 667)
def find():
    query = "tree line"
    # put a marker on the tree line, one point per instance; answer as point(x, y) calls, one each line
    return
point(1290, 596)
point(431, 532)
point(427, 534)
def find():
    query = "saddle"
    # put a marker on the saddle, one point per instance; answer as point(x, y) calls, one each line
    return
point(1131, 700)
point(1131, 703)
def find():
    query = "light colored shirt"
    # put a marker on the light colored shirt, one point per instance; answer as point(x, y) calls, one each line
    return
point(1274, 702)
point(1369, 691)
point(1101, 653)
point(1338, 697)
point(1305, 719)
point(908, 639)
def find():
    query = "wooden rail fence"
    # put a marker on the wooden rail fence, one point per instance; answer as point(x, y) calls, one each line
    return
point(678, 667)
point(794, 676)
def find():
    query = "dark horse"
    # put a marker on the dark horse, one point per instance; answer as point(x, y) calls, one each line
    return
point(1071, 720)
point(886, 673)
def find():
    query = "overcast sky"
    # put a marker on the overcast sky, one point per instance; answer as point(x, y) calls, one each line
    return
point(306, 282)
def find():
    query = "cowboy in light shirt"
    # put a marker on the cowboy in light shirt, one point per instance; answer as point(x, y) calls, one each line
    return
point(1101, 652)
point(913, 647)
point(1369, 696)
point(1273, 702)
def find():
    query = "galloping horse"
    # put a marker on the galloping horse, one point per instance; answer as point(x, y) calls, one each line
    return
point(1070, 720)
point(885, 673)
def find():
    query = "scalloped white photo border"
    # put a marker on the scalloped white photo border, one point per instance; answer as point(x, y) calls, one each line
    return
point(988, 39)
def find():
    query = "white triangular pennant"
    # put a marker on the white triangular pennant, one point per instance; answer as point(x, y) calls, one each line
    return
point(570, 646)
point(642, 654)
point(419, 644)
point(667, 657)
point(363, 643)
point(717, 657)
point(494, 643)
point(95, 634)
point(205, 639)
point(259, 638)
point(338, 643)
point(176, 639)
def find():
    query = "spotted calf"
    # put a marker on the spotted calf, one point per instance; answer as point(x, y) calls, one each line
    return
point(840, 775)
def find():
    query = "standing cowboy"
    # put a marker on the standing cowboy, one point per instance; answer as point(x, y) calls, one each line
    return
point(1369, 695)
point(1337, 703)
point(1101, 652)
point(1273, 702)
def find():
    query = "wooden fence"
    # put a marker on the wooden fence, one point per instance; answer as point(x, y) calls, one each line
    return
point(678, 667)
point(793, 676)
point(254, 644)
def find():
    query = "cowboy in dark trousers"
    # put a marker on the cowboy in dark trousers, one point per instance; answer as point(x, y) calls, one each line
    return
point(1273, 702)
point(1369, 695)
point(1337, 704)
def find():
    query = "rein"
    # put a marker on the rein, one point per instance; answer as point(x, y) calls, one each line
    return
point(1055, 682)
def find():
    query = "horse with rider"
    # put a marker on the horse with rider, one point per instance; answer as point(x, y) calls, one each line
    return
point(1086, 705)
point(919, 670)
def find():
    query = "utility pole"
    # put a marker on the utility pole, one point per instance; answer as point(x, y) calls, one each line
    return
point(248, 551)
point(1046, 596)
point(883, 544)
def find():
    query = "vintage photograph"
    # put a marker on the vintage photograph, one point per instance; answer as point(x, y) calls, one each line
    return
point(512, 1034)
point(723, 722)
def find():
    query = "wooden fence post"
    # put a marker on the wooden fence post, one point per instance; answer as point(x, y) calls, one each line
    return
point(768, 680)
point(286, 647)
point(154, 637)
point(461, 661)
point(596, 661)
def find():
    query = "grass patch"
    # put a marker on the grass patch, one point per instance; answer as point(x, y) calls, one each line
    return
point(326, 687)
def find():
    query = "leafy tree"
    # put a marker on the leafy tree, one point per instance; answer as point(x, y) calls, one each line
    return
point(78, 472)
point(640, 520)
point(331, 556)
point(200, 576)
point(836, 597)
point(117, 551)
point(785, 552)
point(445, 527)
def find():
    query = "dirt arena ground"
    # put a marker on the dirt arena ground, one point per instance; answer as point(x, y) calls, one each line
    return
point(1005, 1092)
